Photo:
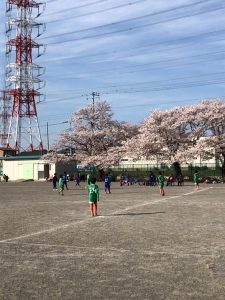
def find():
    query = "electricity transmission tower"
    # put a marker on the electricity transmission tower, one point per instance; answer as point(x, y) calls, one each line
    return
point(21, 129)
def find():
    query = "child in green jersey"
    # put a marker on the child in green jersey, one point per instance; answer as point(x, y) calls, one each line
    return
point(61, 185)
point(160, 180)
point(88, 178)
point(196, 180)
point(93, 196)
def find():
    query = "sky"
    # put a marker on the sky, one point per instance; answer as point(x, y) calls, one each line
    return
point(139, 55)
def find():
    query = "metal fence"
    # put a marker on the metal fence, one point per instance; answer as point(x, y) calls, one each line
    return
point(142, 170)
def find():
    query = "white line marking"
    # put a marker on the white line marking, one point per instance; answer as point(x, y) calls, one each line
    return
point(60, 202)
point(218, 187)
point(45, 231)
point(92, 219)
point(106, 249)
point(199, 191)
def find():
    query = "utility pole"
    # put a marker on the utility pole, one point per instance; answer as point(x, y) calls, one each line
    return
point(47, 131)
point(47, 137)
point(94, 94)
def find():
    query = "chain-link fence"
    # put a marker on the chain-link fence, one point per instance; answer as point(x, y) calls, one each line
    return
point(213, 170)
point(141, 171)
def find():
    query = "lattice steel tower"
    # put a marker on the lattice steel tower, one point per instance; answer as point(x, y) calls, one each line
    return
point(22, 75)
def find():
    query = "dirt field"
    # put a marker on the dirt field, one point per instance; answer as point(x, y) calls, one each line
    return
point(142, 246)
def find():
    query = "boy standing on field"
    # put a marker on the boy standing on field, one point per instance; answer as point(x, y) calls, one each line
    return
point(54, 182)
point(93, 196)
point(160, 180)
point(77, 179)
point(61, 185)
point(196, 180)
point(88, 178)
point(107, 181)
point(64, 178)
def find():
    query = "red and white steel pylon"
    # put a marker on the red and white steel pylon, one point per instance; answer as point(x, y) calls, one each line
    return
point(22, 75)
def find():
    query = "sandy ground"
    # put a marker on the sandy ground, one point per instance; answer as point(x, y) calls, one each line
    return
point(142, 246)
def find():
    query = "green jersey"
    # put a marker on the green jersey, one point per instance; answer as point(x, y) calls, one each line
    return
point(93, 193)
point(88, 178)
point(61, 183)
point(161, 179)
point(196, 179)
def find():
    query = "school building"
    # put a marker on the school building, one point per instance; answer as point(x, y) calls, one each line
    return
point(129, 163)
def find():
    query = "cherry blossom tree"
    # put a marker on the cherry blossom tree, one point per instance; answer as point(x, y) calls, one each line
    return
point(182, 134)
point(95, 138)
point(162, 136)
point(211, 117)
point(173, 136)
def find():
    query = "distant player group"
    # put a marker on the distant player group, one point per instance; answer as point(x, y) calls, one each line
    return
point(93, 188)
point(161, 180)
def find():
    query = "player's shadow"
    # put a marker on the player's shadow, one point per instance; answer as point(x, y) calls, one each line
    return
point(137, 214)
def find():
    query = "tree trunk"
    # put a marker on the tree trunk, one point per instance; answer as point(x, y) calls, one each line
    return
point(223, 168)
point(177, 168)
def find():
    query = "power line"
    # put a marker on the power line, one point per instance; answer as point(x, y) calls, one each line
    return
point(191, 37)
point(127, 55)
point(150, 63)
point(49, 1)
point(174, 66)
point(140, 17)
point(131, 28)
point(76, 7)
point(165, 88)
point(150, 83)
point(176, 86)
point(95, 12)
point(55, 124)
point(168, 102)
point(147, 104)
point(166, 80)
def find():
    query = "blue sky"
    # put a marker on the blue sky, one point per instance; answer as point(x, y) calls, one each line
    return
point(139, 55)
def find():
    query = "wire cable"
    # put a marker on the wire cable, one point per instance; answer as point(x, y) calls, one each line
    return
point(94, 12)
point(132, 28)
point(138, 18)
point(76, 7)
point(157, 88)
point(190, 38)
point(119, 69)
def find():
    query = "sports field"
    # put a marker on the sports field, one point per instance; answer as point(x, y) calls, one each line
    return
point(142, 246)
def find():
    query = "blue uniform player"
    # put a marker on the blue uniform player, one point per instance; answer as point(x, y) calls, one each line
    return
point(107, 181)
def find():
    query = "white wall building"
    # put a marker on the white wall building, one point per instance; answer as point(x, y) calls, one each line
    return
point(127, 162)
point(33, 168)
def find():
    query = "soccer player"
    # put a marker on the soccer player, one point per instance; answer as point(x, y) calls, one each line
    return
point(93, 196)
point(77, 179)
point(160, 180)
point(54, 182)
point(64, 178)
point(88, 178)
point(196, 180)
point(107, 181)
point(152, 179)
point(61, 185)
point(180, 180)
